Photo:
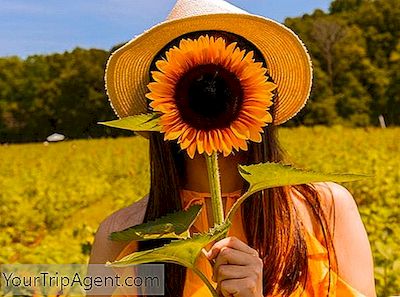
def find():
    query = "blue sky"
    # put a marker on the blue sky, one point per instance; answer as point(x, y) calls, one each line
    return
point(47, 26)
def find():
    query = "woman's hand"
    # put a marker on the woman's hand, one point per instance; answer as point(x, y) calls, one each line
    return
point(238, 269)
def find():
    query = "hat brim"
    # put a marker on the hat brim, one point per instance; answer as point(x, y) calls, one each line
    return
point(289, 64)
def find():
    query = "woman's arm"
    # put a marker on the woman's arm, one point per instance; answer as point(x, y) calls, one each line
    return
point(353, 250)
point(104, 249)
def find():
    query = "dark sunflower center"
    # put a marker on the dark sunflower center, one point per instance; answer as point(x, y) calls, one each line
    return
point(209, 97)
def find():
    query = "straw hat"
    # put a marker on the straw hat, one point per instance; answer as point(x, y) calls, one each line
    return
point(127, 72)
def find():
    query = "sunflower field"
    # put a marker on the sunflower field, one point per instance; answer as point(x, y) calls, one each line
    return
point(53, 196)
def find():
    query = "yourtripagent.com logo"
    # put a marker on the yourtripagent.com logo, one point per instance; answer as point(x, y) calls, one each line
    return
point(80, 279)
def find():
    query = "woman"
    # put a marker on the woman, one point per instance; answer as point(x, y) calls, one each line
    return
point(283, 242)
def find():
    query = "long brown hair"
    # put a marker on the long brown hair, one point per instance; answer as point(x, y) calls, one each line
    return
point(275, 230)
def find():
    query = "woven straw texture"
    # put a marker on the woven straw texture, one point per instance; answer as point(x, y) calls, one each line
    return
point(288, 62)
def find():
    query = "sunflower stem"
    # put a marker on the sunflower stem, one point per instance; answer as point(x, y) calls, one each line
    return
point(206, 281)
point(215, 188)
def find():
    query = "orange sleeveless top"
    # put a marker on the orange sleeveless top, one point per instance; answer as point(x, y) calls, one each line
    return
point(318, 270)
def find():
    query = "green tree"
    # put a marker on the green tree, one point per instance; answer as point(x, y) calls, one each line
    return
point(351, 47)
point(339, 6)
point(393, 91)
point(11, 82)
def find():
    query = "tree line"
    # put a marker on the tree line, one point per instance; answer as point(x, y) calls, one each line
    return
point(355, 50)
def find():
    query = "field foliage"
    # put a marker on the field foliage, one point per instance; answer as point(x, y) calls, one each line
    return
point(53, 197)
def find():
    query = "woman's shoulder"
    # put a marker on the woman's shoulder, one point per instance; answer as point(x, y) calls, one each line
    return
point(103, 248)
point(350, 239)
point(335, 201)
point(333, 196)
point(128, 216)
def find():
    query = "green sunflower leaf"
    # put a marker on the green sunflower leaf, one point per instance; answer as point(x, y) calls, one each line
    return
point(140, 122)
point(269, 175)
point(183, 251)
point(173, 225)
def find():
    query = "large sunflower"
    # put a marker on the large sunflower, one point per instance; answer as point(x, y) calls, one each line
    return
point(211, 96)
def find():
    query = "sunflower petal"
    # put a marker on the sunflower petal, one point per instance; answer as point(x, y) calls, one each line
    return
point(215, 140)
point(188, 136)
point(164, 107)
point(242, 144)
point(231, 139)
point(239, 131)
point(200, 141)
point(191, 150)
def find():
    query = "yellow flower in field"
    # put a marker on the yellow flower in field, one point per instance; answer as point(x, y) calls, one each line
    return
point(211, 96)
